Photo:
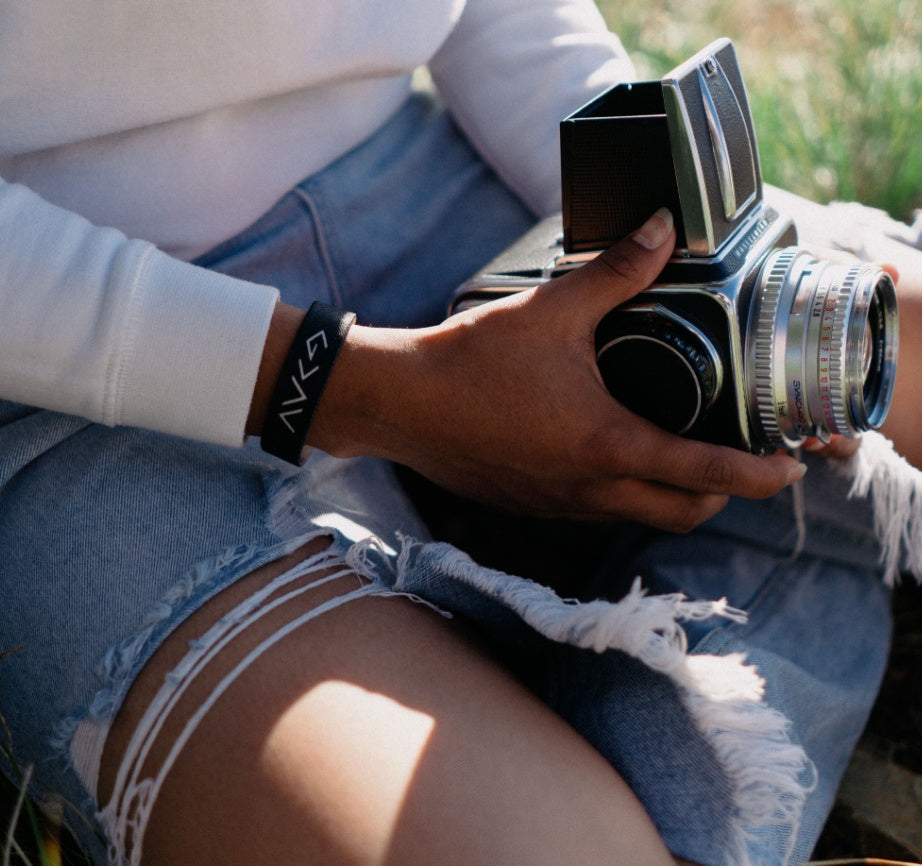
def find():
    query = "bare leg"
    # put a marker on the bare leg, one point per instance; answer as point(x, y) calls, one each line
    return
point(377, 733)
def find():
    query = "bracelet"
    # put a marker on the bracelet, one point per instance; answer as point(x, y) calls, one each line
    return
point(304, 375)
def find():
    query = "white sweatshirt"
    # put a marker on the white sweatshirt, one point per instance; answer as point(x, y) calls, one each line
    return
point(180, 122)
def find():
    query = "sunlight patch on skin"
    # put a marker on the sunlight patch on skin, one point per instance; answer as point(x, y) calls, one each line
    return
point(364, 747)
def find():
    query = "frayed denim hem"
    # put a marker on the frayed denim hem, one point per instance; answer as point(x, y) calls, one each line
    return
point(894, 487)
point(722, 693)
point(83, 733)
point(769, 776)
point(127, 814)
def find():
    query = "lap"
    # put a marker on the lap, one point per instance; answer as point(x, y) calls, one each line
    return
point(377, 732)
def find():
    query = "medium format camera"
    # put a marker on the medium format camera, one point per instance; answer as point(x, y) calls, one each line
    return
point(745, 339)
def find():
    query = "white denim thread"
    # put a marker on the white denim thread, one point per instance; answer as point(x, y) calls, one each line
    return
point(129, 809)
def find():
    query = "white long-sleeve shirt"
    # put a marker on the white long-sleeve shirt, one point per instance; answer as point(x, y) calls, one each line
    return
point(136, 135)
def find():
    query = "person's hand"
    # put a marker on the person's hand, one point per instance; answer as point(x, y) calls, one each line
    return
point(839, 447)
point(505, 403)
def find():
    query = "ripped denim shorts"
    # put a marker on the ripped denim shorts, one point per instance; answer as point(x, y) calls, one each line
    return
point(732, 721)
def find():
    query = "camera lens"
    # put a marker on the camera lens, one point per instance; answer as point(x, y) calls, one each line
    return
point(821, 348)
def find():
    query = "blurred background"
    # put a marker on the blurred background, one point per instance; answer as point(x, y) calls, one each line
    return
point(835, 86)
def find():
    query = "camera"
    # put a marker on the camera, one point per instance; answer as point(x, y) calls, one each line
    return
point(745, 338)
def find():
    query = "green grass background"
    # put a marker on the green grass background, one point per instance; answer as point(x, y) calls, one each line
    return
point(835, 85)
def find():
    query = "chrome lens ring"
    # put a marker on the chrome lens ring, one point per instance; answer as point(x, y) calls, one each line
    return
point(873, 345)
point(821, 348)
point(767, 348)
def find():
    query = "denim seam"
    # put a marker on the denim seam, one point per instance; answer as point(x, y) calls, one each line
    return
point(262, 228)
point(323, 244)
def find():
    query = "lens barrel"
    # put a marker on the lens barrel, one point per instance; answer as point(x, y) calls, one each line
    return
point(821, 346)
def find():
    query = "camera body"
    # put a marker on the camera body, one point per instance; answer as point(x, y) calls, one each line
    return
point(744, 339)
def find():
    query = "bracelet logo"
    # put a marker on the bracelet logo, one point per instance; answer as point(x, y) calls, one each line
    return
point(312, 344)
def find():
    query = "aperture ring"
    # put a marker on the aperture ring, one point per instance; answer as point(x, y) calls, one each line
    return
point(835, 412)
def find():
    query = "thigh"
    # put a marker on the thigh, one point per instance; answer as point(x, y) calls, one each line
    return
point(128, 531)
point(108, 537)
point(377, 732)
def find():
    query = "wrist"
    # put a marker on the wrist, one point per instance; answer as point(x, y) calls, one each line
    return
point(378, 395)
point(283, 326)
point(369, 395)
point(298, 359)
point(304, 376)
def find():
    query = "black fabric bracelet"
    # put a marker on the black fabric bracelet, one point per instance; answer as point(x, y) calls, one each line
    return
point(304, 376)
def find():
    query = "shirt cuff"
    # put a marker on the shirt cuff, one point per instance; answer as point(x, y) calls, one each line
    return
point(190, 352)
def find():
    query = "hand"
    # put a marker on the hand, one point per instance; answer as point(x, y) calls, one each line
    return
point(839, 447)
point(904, 420)
point(505, 403)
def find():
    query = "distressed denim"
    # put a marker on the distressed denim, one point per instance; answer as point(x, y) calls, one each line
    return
point(732, 720)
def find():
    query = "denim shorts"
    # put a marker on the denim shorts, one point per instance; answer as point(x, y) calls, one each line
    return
point(732, 720)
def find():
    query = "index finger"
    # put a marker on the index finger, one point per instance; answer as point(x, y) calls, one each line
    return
point(707, 468)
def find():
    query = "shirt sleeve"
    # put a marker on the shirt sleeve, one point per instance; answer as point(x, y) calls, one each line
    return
point(113, 329)
point(511, 70)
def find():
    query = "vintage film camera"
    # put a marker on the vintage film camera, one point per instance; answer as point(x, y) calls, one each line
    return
point(745, 339)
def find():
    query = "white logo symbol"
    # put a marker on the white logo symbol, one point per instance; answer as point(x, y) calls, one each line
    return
point(313, 344)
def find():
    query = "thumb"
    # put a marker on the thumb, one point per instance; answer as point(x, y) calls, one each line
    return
point(621, 271)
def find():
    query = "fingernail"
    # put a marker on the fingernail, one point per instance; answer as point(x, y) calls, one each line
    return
point(813, 445)
point(654, 232)
point(797, 472)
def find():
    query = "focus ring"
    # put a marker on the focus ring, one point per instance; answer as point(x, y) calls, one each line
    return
point(764, 352)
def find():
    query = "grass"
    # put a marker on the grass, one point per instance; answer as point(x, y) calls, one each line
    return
point(30, 838)
point(29, 835)
point(26, 838)
point(835, 85)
